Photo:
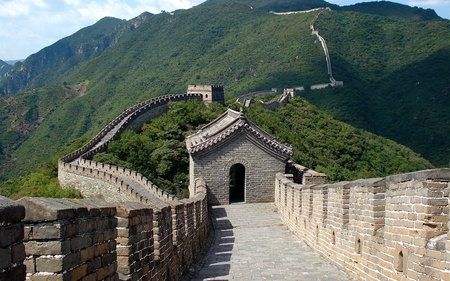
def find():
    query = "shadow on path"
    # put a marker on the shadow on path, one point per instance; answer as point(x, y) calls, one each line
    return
point(251, 243)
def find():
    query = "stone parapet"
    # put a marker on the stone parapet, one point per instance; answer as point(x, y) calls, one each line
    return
point(70, 239)
point(91, 239)
point(393, 228)
point(12, 251)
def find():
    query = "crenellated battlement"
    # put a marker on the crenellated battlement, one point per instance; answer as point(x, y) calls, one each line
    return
point(91, 239)
point(392, 228)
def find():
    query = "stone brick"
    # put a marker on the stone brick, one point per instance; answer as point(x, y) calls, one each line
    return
point(10, 211)
point(47, 247)
point(14, 273)
point(87, 254)
point(44, 232)
point(30, 264)
point(79, 272)
point(18, 253)
point(47, 209)
point(6, 258)
point(10, 233)
point(50, 264)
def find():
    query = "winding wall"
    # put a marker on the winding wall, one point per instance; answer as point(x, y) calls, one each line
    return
point(125, 181)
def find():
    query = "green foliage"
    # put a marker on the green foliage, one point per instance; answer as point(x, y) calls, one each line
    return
point(333, 147)
point(159, 150)
point(398, 89)
point(41, 183)
point(393, 10)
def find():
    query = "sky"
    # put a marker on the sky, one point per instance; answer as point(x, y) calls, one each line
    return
point(27, 26)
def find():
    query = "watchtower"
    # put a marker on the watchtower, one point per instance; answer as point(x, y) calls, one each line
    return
point(211, 93)
point(237, 160)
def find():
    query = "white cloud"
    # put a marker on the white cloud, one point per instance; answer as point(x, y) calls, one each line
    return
point(429, 3)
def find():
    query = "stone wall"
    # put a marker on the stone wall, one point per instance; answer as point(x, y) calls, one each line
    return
point(393, 228)
point(12, 251)
point(69, 239)
point(91, 239)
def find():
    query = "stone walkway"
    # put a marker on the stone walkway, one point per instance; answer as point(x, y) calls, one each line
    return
point(251, 243)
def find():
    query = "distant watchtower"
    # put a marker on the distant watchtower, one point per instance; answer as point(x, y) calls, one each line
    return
point(210, 92)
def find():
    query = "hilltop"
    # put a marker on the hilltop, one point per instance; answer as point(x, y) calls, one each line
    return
point(388, 82)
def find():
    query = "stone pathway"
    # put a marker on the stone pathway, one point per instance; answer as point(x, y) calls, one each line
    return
point(251, 243)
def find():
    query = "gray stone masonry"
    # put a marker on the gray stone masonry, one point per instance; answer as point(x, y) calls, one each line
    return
point(251, 243)
point(260, 170)
point(70, 239)
point(12, 251)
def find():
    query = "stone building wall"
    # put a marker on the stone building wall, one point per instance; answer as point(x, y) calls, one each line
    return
point(393, 228)
point(260, 170)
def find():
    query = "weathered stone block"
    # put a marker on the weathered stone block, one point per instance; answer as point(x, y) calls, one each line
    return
point(10, 233)
point(10, 211)
point(44, 232)
point(38, 248)
point(6, 258)
point(14, 273)
point(50, 264)
point(18, 253)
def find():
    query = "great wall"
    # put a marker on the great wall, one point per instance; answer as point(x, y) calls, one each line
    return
point(314, 31)
point(391, 228)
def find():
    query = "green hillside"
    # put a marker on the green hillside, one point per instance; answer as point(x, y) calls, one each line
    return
point(62, 57)
point(398, 89)
point(391, 69)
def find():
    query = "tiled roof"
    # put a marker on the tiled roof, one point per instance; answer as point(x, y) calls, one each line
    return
point(228, 125)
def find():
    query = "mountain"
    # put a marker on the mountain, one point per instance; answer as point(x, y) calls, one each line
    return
point(394, 72)
point(399, 88)
point(4, 67)
point(393, 10)
point(61, 58)
point(276, 5)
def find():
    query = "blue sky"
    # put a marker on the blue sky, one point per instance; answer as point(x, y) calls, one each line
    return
point(27, 26)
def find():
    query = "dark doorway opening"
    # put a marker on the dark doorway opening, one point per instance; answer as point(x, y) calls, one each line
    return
point(237, 183)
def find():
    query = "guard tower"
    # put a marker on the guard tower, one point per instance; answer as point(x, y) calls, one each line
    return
point(210, 92)
point(237, 160)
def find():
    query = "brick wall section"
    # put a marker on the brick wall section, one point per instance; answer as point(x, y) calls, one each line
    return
point(69, 239)
point(135, 244)
point(393, 228)
point(12, 251)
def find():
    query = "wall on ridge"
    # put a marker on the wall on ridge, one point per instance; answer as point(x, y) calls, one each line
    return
point(393, 228)
point(73, 169)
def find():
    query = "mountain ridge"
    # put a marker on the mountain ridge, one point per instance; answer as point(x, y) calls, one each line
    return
point(247, 50)
point(62, 57)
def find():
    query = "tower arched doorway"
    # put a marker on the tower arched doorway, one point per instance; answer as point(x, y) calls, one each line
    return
point(237, 183)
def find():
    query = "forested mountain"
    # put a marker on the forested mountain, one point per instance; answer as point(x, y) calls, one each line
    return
point(61, 58)
point(394, 69)
point(4, 67)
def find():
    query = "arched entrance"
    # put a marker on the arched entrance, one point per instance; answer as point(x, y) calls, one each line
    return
point(237, 183)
